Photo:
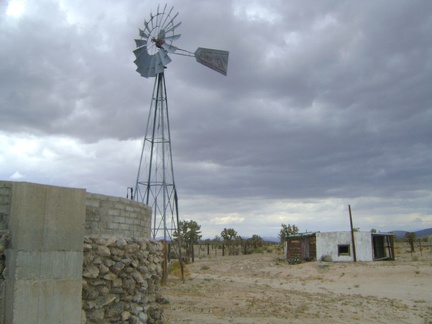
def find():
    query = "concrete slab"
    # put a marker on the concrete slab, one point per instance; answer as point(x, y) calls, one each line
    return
point(47, 218)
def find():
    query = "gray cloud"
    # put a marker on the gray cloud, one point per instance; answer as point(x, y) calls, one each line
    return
point(325, 101)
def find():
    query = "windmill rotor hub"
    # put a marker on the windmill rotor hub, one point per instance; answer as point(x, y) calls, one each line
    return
point(158, 42)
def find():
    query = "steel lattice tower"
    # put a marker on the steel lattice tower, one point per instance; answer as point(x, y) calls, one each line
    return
point(155, 184)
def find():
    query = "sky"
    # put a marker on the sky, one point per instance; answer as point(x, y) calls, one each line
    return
point(325, 104)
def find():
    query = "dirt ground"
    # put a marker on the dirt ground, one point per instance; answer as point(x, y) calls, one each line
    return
point(260, 288)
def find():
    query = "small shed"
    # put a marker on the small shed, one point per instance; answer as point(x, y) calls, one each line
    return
point(338, 246)
point(301, 246)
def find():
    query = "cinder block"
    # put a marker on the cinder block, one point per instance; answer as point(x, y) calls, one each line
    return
point(113, 212)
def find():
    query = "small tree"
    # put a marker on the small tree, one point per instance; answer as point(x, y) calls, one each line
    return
point(217, 240)
point(229, 236)
point(286, 231)
point(410, 238)
point(254, 243)
point(190, 234)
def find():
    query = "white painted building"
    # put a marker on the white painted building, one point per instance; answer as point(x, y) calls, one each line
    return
point(338, 246)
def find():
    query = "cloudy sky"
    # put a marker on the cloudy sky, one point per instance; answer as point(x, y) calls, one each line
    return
point(326, 104)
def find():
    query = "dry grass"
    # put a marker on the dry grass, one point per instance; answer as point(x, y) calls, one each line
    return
point(259, 288)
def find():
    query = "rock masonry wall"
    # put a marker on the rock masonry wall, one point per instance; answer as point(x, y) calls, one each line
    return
point(121, 280)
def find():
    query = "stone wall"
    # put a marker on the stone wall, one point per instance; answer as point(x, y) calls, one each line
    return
point(121, 280)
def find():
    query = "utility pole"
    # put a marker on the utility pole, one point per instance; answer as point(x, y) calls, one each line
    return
point(352, 234)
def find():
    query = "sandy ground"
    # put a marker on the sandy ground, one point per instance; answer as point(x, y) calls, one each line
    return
point(259, 288)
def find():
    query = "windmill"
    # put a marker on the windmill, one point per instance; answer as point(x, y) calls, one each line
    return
point(155, 184)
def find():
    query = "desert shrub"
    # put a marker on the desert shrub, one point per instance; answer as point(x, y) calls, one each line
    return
point(205, 267)
point(259, 250)
point(295, 260)
point(269, 248)
point(174, 269)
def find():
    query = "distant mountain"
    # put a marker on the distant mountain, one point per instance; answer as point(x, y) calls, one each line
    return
point(424, 232)
point(399, 234)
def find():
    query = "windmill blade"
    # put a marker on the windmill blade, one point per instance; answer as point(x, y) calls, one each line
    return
point(169, 48)
point(152, 21)
point(173, 27)
point(159, 16)
point(164, 57)
point(159, 66)
point(143, 34)
point(167, 16)
point(147, 27)
point(161, 34)
point(143, 66)
point(142, 61)
point(140, 51)
point(214, 59)
point(152, 66)
point(172, 20)
point(140, 42)
point(142, 71)
point(173, 37)
point(163, 12)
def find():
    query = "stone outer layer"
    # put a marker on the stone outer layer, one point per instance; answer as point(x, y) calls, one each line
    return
point(121, 280)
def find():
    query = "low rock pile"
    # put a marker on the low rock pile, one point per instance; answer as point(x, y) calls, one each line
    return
point(121, 281)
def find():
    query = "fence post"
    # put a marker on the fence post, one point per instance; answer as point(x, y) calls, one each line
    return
point(165, 264)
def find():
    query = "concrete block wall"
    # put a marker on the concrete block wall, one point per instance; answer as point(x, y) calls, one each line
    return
point(113, 216)
point(43, 275)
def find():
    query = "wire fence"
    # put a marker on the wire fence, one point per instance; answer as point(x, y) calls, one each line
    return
point(216, 250)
